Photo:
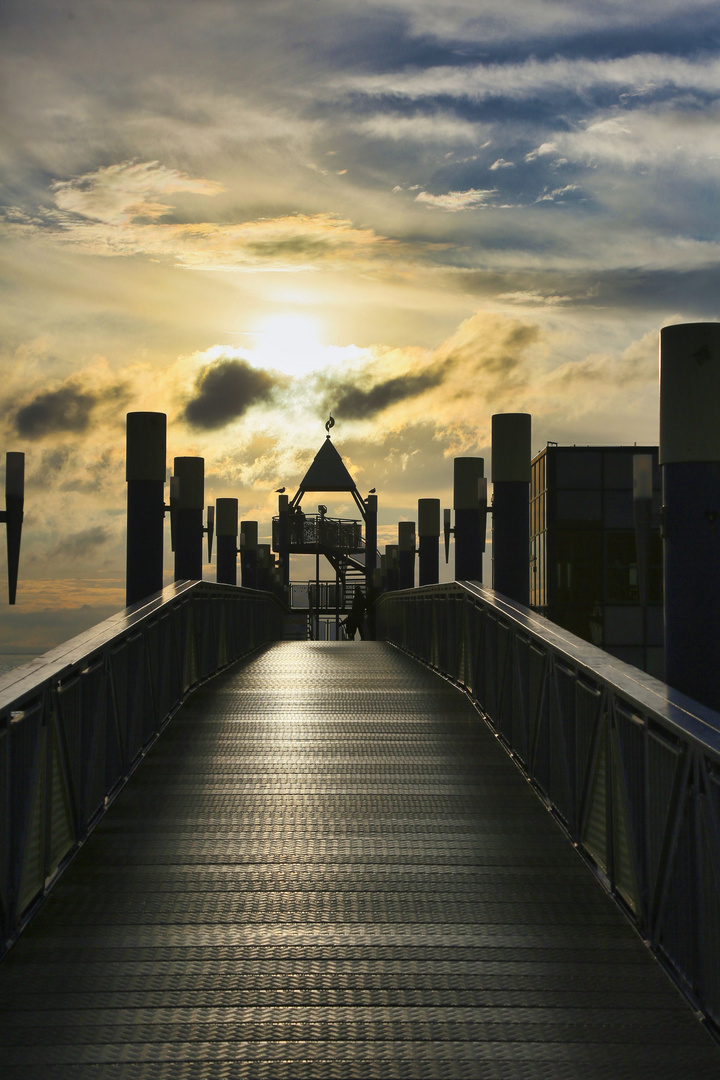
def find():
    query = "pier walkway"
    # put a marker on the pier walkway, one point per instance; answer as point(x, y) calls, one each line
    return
point(326, 866)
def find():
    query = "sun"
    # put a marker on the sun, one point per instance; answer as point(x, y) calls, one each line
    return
point(290, 343)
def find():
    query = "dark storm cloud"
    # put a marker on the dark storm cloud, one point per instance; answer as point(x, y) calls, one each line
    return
point(78, 545)
point(360, 403)
point(66, 409)
point(225, 390)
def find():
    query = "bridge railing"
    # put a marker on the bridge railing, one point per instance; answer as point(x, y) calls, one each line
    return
point(630, 767)
point(75, 722)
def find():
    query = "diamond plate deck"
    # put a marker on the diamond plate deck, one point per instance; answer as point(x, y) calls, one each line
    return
point(326, 867)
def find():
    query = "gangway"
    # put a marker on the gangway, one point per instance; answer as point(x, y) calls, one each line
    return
point(328, 865)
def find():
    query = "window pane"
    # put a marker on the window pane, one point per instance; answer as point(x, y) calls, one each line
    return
point(578, 469)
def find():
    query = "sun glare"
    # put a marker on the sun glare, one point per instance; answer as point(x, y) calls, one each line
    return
point(290, 343)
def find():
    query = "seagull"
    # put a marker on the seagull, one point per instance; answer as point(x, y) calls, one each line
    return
point(372, 491)
point(280, 491)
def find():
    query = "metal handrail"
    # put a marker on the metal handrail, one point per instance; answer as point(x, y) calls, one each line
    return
point(629, 766)
point(75, 722)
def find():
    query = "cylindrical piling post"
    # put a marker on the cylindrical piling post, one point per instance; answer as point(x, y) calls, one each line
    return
point(469, 518)
point(429, 541)
point(406, 554)
point(371, 513)
point(249, 554)
point(391, 567)
point(284, 541)
point(145, 469)
point(511, 456)
point(226, 533)
point(265, 567)
point(690, 459)
point(190, 473)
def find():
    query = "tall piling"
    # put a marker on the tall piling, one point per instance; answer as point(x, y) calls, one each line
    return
point(226, 533)
point(428, 541)
point(470, 517)
point(188, 510)
point(690, 460)
point(511, 455)
point(145, 469)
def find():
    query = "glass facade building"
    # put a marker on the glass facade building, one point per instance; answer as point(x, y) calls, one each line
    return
point(583, 559)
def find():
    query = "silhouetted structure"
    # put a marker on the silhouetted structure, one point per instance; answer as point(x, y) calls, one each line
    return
point(429, 541)
point(145, 471)
point(511, 504)
point(339, 540)
point(227, 535)
point(470, 505)
point(690, 459)
point(583, 562)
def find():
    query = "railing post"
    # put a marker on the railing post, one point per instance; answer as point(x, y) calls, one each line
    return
point(511, 456)
point(226, 531)
point(429, 541)
point(145, 468)
point(690, 459)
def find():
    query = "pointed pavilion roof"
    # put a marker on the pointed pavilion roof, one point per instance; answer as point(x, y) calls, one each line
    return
point(327, 472)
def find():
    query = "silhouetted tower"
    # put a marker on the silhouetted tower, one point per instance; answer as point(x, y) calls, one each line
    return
point(470, 504)
point(145, 470)
point(226, 527)
point(188, 500)
point(249, 554)
point(690, 459)
point(406, 554)
point(511, 455)
point(429, 541)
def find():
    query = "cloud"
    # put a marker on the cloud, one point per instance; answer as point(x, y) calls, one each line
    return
point(501, 163)
point(530, 78)
point(79, 545)
point(225, 390)
point(353, 402)
point(118, 193)
point(435, 127)
point(65, 410)
point(111, 212)
point(453, 201)
point(70, 408)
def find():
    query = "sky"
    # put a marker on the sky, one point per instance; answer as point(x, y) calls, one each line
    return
point(250, 213)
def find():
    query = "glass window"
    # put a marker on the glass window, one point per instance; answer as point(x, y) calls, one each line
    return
point(578, 506)
point(621, 579)
point(618, 509)
point(578, 469)
point(618, 469)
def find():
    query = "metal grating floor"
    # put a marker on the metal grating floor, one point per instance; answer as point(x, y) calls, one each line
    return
point(326, 867)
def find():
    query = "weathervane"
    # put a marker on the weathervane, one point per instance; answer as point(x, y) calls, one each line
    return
point(329, 424)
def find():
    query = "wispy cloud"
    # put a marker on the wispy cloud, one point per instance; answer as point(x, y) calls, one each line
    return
point(118, 193)
point(646, 71)
point(453, 201)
